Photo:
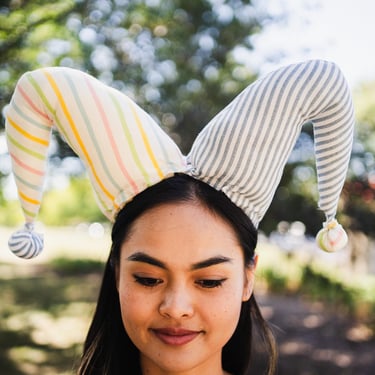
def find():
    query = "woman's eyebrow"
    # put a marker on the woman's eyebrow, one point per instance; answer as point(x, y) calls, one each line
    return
point(210, 262)
point(145, 258)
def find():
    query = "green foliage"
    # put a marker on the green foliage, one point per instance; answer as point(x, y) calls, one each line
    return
point(364, 101)
point(27, 30)
point(359, 205)
point(276, 281)
point(321, 286)
point(358, 198)
point(67, 266)
point(354, 296)
point(174, 57)
point(11, 214)
point(70, 205)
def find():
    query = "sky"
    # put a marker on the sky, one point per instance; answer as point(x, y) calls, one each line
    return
point(339, 30)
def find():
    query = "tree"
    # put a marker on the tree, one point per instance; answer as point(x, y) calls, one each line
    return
point(364, 103)
point(359, 192)
point(175, 57)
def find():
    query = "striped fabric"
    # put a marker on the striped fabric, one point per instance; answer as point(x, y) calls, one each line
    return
point(244, 149)
point(123, 148)
point(241, 152)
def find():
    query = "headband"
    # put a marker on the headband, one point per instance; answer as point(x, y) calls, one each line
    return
point(242, 151)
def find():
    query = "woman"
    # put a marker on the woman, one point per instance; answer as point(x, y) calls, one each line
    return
point(154, 273)
point(177, 291)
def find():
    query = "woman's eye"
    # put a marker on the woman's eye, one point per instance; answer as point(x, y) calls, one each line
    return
point(147, 281)
point(207, 283)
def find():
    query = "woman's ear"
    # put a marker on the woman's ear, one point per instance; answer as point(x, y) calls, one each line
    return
point(249, 279)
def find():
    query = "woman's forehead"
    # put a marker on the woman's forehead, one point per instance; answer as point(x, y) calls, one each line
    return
point(183, 215)
point(187, 230)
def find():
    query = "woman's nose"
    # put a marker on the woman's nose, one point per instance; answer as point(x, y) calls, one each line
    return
point(176, 303)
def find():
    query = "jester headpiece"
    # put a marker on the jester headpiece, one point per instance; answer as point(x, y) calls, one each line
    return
point(242, 151)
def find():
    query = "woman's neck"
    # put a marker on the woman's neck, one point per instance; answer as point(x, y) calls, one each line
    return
point(209, 368)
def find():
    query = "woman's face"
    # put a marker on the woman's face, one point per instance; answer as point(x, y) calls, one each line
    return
point(181, 281)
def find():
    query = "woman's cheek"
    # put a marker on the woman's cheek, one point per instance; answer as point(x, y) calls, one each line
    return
point(135, 313)
point(224, 304)
point(131, 296)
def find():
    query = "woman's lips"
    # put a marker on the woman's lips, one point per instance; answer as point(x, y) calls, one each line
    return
point(173, 336)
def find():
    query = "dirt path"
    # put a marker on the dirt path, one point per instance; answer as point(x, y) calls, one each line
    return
point(313, 340)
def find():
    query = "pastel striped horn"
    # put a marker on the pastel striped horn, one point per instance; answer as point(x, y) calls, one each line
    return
point(124, 149)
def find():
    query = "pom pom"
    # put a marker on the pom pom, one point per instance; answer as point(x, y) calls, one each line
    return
point(332, 237)
point(26, 243)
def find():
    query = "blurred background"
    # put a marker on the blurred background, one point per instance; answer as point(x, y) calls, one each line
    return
point(183, 61)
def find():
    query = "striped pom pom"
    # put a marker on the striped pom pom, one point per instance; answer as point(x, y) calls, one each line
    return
point(26, 243)
point(332, 237)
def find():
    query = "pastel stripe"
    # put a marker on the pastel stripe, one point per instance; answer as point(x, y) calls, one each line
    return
point(27, 134)
point(111, 137)
point(30, 214)
point(28, 199)
point(25, 149)
point(30, 102)
point(91, 129)
point(26, 183)
point(129, 139)
point(162, 149)
point(76, 133)
point(31, 120)
point(146, 141)
point(44, 99)
point(25, 166)
point(40, 92)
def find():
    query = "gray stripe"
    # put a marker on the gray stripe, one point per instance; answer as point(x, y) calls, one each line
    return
point(243, 150)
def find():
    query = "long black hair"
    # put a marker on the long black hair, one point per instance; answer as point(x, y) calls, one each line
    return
point(108, 349)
